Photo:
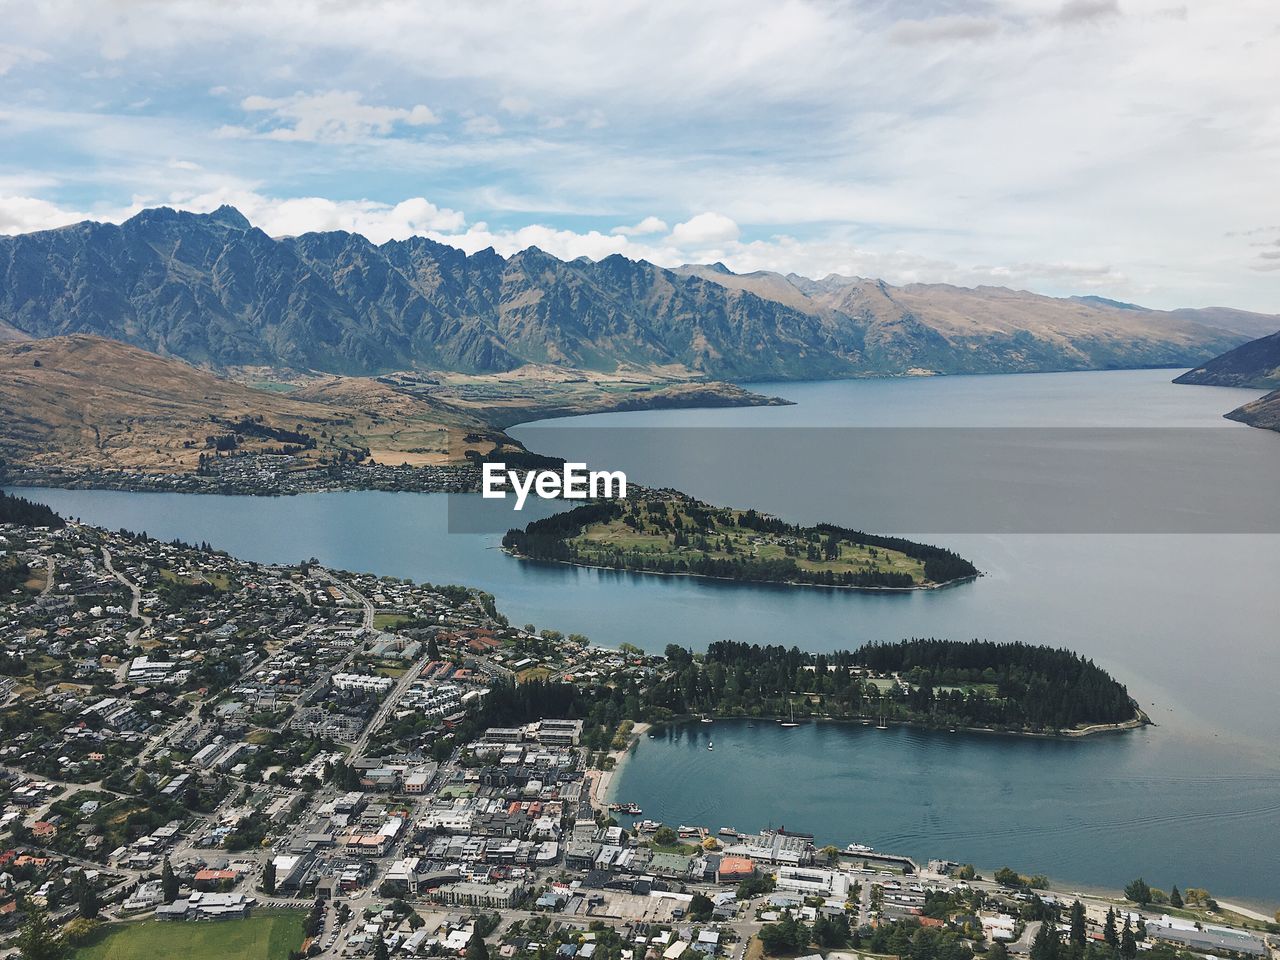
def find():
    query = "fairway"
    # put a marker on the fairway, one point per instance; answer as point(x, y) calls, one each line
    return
point(268, 935)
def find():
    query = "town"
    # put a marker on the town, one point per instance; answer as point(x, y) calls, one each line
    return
point(365, 766)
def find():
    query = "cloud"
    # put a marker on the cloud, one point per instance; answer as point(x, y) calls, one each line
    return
point(703, 230)
point(1087, 11)
point(336, 116)
point(12, 56)
point(943, 29)
point(482, 126)
point(377, 221)
point(1015, 132)
point(646, 226)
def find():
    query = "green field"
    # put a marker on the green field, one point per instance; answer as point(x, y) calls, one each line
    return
point(267, 935)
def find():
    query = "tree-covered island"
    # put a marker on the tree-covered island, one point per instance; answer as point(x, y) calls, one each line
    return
point(670, 533)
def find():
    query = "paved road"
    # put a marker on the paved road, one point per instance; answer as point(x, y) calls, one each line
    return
point(135, 606)
point(51, 573)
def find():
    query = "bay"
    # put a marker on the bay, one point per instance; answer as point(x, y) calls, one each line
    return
point(1188, 621)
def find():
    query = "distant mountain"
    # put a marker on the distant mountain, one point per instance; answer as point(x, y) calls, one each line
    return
point(1253, 364)
point(216, 291)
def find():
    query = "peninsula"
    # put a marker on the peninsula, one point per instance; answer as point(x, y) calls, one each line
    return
point(666, 532)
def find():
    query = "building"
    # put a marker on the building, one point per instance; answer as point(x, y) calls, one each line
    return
point(559, 733)
point(735, 869)
point(207, 906)
point(831, 884)
point(506, 894)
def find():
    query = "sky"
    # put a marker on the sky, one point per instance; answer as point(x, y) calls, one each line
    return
point(1125, 148)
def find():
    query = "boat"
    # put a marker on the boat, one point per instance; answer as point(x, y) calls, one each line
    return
point(711, 744)
point(858, 848)
point(630, 809)
point(727, 832)
point(649, 826)
point(688, 831)
point(791, 716)
point(707, 719)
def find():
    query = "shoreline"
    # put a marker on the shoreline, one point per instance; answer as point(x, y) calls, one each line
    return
point(602, 781)
point(776, 583)
point(1138, 722)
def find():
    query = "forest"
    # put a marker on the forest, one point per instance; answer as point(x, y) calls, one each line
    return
point(28, 514)
point(1014, 687)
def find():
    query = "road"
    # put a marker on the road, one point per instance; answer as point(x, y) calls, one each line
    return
point(50, 576)
point(135, 607)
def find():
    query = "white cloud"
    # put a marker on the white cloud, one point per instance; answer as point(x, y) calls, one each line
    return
point(339, 116)
point(1022, 132)
point(482, 126)
point(703, 230)
point(646, 226)
point(12, 56)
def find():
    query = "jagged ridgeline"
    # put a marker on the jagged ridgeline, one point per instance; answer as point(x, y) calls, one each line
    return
point(1010, 686)
point(676, 535)
point(27, 514)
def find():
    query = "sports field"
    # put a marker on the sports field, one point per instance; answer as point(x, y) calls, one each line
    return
point(267, 935)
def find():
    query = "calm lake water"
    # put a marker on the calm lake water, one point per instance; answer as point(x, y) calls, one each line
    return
point(1188, 621)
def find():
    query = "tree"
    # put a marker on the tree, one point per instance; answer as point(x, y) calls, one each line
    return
point(269, 876)
point(998, 951)
point(380, 951)
point(433, 649)
point(1128, 945)
point(1077, 937)
point(168, 882)
point(1045, 945)
point(1138, 892)
point(785, 936)
point(665, 836)
point(37, 940)
point(1175, 898)
point(832, 932)
point(1109, 929)
point(88, 903)
point(967, 872)
point(476, 949)
point(701, 907)
point(1008, 877)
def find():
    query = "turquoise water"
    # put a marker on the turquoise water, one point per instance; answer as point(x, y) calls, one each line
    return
point(1187, 621)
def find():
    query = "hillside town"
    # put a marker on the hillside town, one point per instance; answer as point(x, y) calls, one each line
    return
point(192, 738)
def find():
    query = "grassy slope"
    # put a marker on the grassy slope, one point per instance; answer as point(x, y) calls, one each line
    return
point(854, 558)
point(267, 935)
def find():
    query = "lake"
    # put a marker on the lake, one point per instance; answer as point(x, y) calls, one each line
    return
point(1187, 620)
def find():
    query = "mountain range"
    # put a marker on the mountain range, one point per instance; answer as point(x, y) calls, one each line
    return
point(216, 291)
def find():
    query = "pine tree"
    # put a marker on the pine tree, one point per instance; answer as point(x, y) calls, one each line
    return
point(269, 877)
point(168, 882)
point(476, 949)
point(1109, 929)
point(380, 950)
point(1128, 945)
point(1077, 924)
point(88, 902)
point(1175, 898)
point(1045, 945)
